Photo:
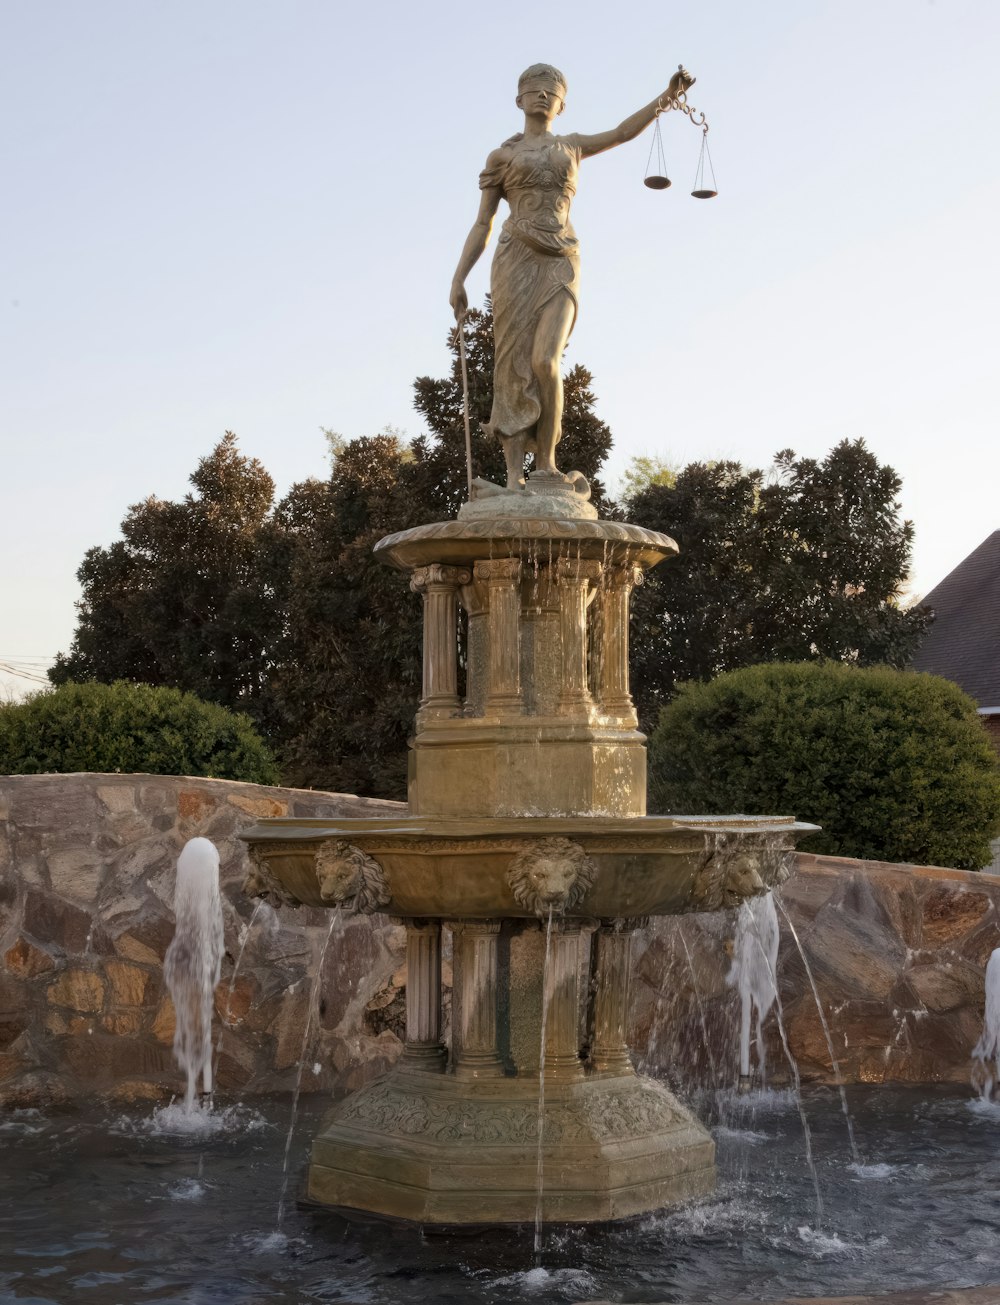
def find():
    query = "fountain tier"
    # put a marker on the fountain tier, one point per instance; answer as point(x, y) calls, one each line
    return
point(527, 792)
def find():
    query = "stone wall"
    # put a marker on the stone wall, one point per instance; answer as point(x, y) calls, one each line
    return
point(898, 955)
point(86, 882)
point(87, 867)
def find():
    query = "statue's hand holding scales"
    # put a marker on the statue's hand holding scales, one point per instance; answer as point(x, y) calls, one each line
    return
point(536, 268)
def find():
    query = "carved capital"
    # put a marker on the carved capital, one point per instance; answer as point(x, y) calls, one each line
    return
point(481, 927)
point(550, 874)
point(579, 569)
point(438, 575)
point(347, 876)
point(625, 577)
point(500, 570)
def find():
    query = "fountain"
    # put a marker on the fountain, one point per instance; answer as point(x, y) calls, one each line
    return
point(527, 797)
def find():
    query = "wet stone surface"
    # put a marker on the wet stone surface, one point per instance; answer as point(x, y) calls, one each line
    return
point(109, 1206)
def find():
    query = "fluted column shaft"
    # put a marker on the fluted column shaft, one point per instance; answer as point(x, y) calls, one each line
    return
point(613, 683)
point(610, 1006)
point(424, 1048)
point(439, 586)
point(474, 999)
point(562, 1005)
point(502, 578)
point(575, 576)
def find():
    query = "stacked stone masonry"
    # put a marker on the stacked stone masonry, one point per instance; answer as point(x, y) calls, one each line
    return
point(87, 863)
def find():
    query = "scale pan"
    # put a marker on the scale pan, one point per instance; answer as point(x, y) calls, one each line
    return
point(656, 183)
point(704, 194)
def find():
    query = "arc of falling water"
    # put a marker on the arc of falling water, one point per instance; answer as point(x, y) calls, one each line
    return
point(540, 1158)
point(701, 1009)
point(232, 986)
point(826, 1033)
point(310, 1010)
point(797, 1081)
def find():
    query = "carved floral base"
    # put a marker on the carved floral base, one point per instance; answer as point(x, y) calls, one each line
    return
point(436, 1149)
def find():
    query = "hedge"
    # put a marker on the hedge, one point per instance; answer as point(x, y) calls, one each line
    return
point(130, 728)
point(895, 765)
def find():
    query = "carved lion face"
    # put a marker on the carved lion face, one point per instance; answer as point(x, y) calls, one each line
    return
point(346, 874)
point(551, 874)
point(743, 878)
point(338, 872)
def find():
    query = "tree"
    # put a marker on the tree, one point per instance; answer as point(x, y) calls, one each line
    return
point(647, 469)
point(129, 728)
point(347, 679)
point(182, 599)
point(807, 562)
point(894, 765)
point(283, 610)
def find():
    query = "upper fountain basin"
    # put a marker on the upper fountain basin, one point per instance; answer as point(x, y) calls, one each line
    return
point(586, 867)
point(460, 542)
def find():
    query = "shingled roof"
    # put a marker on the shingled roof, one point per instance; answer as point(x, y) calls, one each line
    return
point(963, 644)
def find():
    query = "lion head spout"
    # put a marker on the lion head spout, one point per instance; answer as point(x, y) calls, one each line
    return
point(550, 874)
point(262, 882)
point(349, 877)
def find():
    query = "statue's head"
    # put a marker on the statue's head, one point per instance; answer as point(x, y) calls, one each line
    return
point(542, 77)
point(550, 874)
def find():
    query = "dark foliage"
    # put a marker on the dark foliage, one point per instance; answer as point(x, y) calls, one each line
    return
point(130, 728)
point(804, 563)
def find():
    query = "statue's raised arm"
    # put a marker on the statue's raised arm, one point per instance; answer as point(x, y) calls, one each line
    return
point(536, 271)
point(637, 122)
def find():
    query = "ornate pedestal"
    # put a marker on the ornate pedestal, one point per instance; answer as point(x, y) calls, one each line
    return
point(527, 841)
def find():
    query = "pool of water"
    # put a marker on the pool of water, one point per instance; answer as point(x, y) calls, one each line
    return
point(100, 1207)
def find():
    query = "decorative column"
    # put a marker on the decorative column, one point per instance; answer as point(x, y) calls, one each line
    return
point(503, 579)
point(575, 576)
point(439, 586)
point(474, 999)
point(424, 1048)
point(612, 680)
point(610, 997)
point(561, 1004)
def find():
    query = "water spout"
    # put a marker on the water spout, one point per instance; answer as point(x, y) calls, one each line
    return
point(755, 959)
point(986, 1073)
point(193, 962)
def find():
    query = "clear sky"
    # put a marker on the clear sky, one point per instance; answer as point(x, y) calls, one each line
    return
point(233, 214)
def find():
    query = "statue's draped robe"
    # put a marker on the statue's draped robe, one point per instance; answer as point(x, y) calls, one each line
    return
point(537, 258)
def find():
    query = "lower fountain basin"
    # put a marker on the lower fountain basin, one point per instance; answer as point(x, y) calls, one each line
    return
point(432, 1149)
point(488, 869)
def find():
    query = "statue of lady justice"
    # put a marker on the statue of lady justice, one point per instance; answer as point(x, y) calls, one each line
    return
point(536, 271)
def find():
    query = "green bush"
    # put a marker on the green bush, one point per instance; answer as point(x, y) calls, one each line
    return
point(130, 728)
point(894, 765)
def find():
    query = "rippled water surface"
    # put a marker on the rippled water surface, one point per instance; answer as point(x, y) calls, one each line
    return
point(98, 1208)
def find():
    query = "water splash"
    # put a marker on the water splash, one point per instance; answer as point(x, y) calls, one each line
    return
point(175, 1120)
point(193, 962)
point(986, 1052)
point(540, 1155)
point(873, 1171)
